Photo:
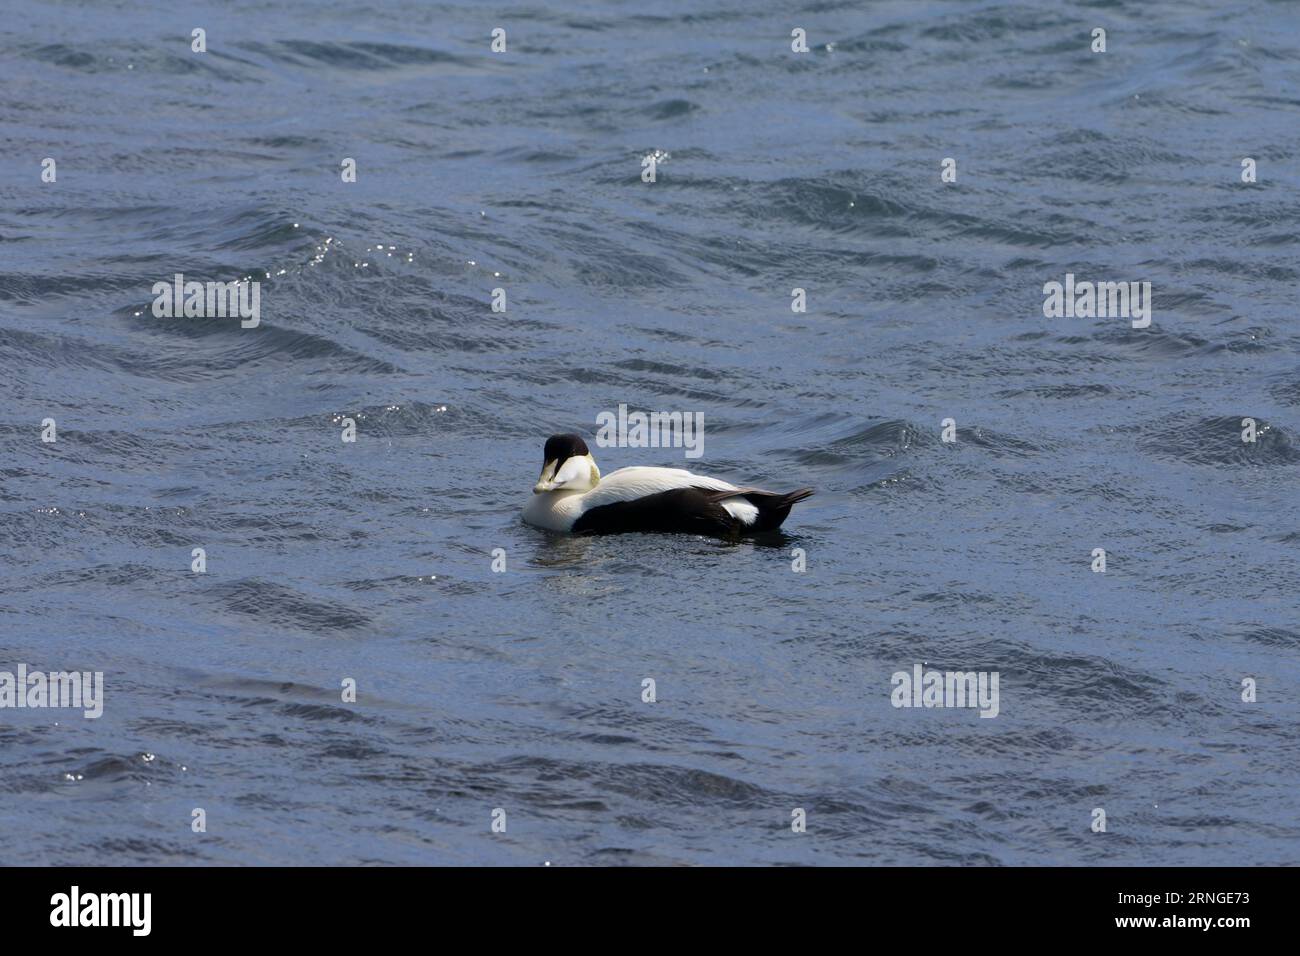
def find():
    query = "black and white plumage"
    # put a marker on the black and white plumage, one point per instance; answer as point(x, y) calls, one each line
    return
point(570, 495)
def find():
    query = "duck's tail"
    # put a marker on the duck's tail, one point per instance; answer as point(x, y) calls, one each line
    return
point(773, 507)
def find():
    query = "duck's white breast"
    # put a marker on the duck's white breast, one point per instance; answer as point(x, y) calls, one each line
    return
point(554, 510)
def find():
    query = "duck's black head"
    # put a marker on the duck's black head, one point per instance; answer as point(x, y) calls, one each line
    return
point(563, 447)
point(567, 465)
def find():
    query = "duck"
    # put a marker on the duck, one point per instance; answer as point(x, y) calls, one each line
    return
point(572, 497)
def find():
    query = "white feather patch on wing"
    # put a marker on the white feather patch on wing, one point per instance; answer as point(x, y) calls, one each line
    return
point(741, 510)
point(629, 484)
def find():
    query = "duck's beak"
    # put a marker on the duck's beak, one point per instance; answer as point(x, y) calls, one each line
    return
point(544, 483)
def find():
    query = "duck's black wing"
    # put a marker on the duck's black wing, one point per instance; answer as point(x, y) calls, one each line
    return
point(689, 511)
point(679, 510)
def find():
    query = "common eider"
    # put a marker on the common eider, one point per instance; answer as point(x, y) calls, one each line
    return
point(570, 495)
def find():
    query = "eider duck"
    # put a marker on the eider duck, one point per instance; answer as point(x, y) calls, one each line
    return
point(570, 495)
